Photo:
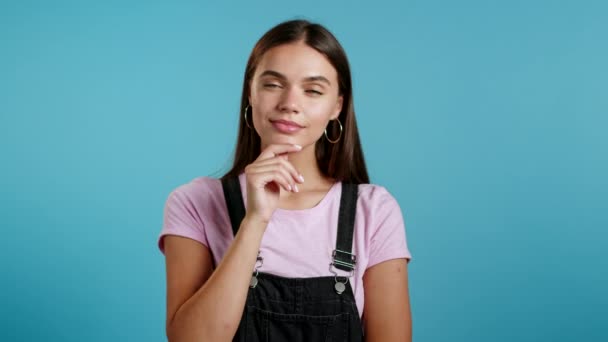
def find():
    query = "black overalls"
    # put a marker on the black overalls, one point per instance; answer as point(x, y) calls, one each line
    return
point(301, 309)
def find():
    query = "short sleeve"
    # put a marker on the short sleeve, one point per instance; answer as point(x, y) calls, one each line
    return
point(388, 240)
point(182, 218)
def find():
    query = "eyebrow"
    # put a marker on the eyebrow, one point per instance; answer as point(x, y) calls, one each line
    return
point(306, 79)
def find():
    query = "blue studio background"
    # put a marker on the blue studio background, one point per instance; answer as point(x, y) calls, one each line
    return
point(486, 120)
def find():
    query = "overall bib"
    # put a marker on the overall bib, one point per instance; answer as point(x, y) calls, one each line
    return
point(301, 309)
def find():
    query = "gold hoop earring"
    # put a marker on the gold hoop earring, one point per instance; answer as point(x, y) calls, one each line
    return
point(340, 136)
point(245, 115)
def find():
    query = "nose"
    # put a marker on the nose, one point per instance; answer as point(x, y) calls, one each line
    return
point(288, 102)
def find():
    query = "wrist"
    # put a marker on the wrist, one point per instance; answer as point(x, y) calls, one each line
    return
point(257, 221)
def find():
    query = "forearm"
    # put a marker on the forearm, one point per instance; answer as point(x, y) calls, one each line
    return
point(213, 313)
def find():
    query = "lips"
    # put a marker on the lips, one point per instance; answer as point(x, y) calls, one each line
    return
point(286, 122)
point(285, 126)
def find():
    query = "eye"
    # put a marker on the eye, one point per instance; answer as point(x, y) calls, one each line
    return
point(271, 85)
point(314, 92)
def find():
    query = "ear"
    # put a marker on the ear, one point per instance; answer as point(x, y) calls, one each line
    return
point(338, 109)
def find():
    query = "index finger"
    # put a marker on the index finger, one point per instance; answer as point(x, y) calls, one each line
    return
point(276, 149)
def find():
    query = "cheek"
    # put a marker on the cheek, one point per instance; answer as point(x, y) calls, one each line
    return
point(318, 119)
point(263, 100)
point(321, 111)
point(253, 96)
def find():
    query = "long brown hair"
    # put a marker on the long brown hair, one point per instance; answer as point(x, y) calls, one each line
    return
point(342, 161)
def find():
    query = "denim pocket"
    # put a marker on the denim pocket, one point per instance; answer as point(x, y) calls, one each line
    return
point(270, 327)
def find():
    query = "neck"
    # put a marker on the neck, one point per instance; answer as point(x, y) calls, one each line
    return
point(305, 162)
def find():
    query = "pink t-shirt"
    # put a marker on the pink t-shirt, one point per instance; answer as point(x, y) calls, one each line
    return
point(296, 243)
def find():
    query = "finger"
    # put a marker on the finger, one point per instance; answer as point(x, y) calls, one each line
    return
point(276, 177)
point(297, 177)
point(283, 175)
point(259, 173)
point(277, 149)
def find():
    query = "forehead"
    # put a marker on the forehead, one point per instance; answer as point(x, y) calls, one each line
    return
point(297, 61)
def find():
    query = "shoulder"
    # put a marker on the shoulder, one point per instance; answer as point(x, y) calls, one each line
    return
point(374, 195)
point(200, 192)
point(382, 223)
point(198, 187)
point(377, 207)
point(190, 209)
point(195, 204)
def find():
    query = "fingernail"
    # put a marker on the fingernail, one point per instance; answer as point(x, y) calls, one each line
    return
point(295, 187)
point(298, 146)
point(288, 187)
point(301, 178)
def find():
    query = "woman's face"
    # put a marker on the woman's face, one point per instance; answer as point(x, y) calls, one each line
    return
point(294, 94)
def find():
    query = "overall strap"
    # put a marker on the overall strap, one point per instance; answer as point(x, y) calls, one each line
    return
point(343, 258)
point(234, 202)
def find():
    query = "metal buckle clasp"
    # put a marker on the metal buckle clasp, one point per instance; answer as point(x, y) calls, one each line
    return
point(341, 286)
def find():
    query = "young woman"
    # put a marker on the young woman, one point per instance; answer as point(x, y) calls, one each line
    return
point(293, 243)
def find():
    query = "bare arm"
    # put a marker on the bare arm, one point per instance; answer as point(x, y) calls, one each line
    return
point(203, 304)
point(387, 315)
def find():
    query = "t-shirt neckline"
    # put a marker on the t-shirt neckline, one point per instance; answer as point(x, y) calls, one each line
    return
point(319, 206)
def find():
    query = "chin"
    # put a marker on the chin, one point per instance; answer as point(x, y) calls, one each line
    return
point(281, 139)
